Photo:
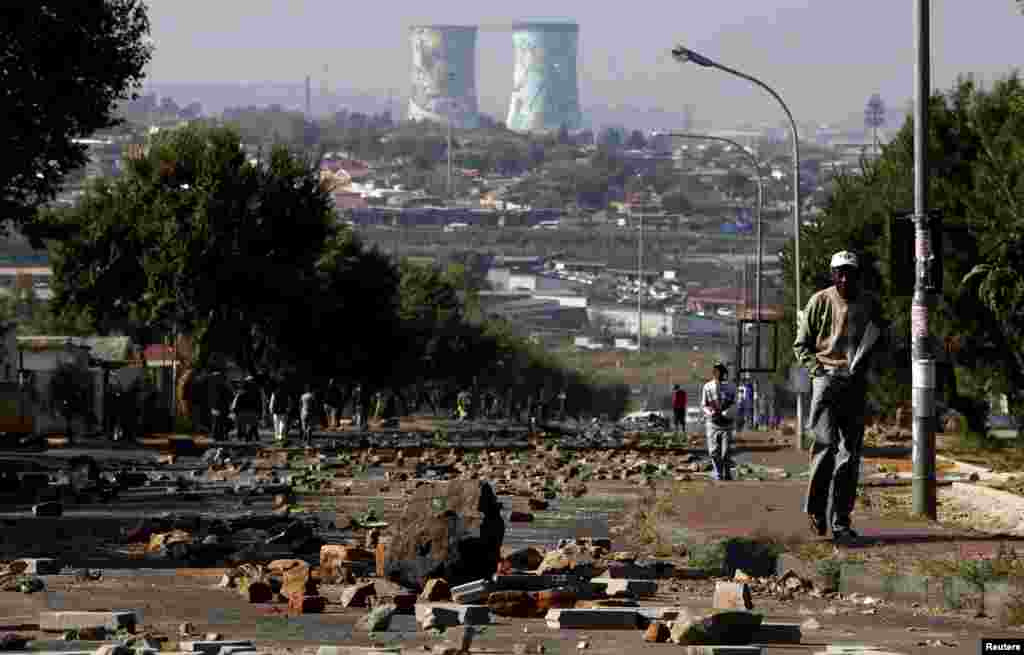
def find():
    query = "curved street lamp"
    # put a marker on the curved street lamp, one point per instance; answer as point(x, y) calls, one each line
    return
point(685, 55)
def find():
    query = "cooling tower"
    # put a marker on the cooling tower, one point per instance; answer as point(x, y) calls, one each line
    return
point(444, 74)
point(545, 92)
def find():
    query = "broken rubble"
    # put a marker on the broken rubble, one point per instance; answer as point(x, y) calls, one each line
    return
point(41, 566)
point(722, 628)
point(594, 618)
point(436, 590)
point(307, 604)
point(110, 621)
point(472, 592)
point(210, 647)
point(447, 615)
point(518, 604)
point(48, 509)
point(378, 619)
point(732, 596)
point(452, 530)
point(358, 595)
point(778, 633)
point(619, 587)
point(657, 633)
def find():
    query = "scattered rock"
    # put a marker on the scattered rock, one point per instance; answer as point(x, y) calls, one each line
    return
point(11, 641)
point(436, 590)
point(526, 559)
point(657, 633)
point(518, 604)
point(307, 604)
point(357, 595)
point(451, 530)
point(379, 618)
point(732, 596)
point(48, 509)
point(258, 592)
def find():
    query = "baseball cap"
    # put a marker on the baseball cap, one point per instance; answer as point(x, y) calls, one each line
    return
point(844, 258)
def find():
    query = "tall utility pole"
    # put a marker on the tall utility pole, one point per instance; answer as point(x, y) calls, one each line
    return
point(640, 278)
point(451, 76)
point(309, 105)
point(922, 346)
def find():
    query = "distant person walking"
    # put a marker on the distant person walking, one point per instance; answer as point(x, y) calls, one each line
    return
point(332, 402)
point(841, 327)
point(718, 400)
point(308, 413)
point(679, 408)
point(279, 406)
point(246, 407)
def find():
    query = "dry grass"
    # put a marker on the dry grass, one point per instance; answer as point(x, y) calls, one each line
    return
point(653, 517)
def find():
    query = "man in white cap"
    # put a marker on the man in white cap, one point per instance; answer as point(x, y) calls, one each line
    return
point(840, 328)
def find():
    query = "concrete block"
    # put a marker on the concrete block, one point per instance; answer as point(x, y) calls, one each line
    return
point(627, 587)
point(41, 565)
point(211, 647)
point(357, 650)
point(778, 633)
point(732, 596)
point(111, 621)
point(446, 615)
point(790, 562)
point(472, 592)
point(690, 573)
point(724, 650)
point(604, 619)
point(659, 613)
point(629, 571)
point(52, 652)
point(527, 582)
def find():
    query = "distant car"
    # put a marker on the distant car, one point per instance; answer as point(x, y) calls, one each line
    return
point(661, 417)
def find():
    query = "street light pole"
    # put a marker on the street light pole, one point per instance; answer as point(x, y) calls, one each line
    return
point(683, 54)
point(922, 349)
point(451, 76)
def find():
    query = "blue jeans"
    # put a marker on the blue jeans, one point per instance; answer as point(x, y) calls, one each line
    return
point(719, 438)
point(837, 421)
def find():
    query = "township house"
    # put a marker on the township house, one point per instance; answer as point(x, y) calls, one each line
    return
point(30, 363)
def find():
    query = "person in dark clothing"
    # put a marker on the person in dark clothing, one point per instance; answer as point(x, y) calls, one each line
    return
point(679, 408)
point(247, 407)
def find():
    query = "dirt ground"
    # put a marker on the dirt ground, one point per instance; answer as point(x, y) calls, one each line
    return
point(88, 533)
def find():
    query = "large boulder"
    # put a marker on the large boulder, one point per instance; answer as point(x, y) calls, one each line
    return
point(452, 530)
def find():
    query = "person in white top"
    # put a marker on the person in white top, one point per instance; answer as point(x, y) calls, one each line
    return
point(718, 399)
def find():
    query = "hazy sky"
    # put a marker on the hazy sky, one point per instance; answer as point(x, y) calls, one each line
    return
point(825, 58)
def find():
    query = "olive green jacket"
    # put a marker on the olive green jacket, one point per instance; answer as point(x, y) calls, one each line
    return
point(823, 321)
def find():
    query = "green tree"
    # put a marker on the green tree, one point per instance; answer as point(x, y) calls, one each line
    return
point(976, 184)
point(62, 68)
point(195, 238)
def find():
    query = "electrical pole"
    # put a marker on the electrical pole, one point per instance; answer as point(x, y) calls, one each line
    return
point(922, 347)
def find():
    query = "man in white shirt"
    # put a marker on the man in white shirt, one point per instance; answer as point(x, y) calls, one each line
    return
point(718, 399)
point(308, 413)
